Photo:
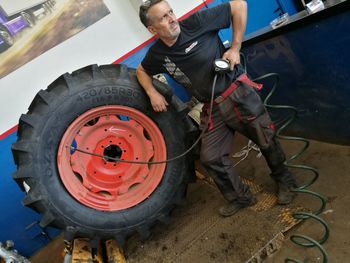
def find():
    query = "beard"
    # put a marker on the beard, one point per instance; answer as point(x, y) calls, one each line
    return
point(174, 30)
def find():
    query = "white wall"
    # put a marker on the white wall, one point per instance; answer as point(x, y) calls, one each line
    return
point(101, 43)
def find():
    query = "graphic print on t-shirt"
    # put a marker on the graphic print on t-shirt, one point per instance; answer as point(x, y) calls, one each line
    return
point(176, 73)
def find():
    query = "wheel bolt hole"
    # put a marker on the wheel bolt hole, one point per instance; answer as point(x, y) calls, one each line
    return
point(112, 152)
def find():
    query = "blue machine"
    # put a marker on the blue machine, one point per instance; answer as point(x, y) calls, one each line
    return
point(311, 55)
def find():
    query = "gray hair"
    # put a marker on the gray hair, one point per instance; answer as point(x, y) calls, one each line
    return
point(143, 13)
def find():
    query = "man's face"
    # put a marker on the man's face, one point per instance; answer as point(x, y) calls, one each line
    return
point(163, 21)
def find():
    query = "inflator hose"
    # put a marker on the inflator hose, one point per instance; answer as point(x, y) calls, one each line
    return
point(301, 240)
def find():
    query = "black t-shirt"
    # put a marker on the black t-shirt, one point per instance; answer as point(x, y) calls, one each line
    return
point(190, 60)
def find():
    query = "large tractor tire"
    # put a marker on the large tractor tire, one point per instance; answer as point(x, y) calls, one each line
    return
point(101, 110)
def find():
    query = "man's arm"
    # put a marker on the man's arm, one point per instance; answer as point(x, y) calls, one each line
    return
point(158, 101)
point(239, 22)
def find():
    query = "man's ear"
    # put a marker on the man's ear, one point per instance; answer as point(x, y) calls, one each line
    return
point(152, 30)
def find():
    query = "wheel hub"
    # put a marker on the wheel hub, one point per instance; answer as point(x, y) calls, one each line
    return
point(116, 133)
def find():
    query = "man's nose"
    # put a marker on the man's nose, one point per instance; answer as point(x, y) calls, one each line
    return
point(172, 18)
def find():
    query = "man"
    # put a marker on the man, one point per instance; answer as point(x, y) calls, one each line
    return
point(186, 51)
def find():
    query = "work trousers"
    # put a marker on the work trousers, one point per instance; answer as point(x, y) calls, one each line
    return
point(217, 144)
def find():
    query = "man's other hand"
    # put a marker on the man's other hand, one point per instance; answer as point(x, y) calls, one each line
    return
point(232, 55)
point(158, 101)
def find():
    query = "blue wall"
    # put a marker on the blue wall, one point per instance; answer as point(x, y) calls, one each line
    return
point(18, 223)
point(260, 14)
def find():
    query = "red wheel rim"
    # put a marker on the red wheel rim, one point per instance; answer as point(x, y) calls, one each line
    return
point(117, 132)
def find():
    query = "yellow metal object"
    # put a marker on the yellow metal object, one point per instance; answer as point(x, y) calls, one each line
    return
point(254, 188)
point(286, 218)
point(114, 253)
point(266, 201)
point(82, 252)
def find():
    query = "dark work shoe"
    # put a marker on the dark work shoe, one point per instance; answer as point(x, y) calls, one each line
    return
point(233, 207)
point(285, 196)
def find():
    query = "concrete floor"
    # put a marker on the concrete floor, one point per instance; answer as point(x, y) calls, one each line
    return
point(198, 234)
point(333, 163)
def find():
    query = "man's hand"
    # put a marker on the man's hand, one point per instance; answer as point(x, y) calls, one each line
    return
point(232, 55)
point(158, 101)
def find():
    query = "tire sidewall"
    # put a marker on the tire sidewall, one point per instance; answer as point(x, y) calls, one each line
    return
point(65, 208)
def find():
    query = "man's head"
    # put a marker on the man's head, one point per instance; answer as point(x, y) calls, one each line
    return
point(159, 18)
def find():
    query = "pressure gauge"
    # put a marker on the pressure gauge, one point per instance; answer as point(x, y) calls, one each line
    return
point(221, 65)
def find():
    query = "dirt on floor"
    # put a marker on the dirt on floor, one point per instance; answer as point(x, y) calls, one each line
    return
point(198, 234)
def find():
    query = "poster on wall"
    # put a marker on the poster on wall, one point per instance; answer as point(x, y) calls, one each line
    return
point(28, 28)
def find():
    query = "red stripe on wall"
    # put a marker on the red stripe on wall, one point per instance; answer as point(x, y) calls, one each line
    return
point(133, 51)
point(7, 133)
